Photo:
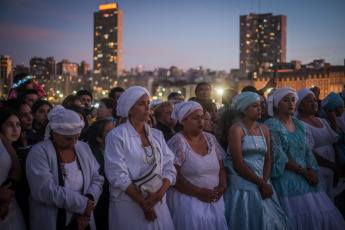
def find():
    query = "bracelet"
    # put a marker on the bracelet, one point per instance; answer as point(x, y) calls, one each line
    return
point(299, 170)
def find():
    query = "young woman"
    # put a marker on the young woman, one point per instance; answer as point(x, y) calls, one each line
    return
point(134, 152)
point(106, 109)
point(293, 168)
point(10, 213)
point(40, 110)
point(250, 194)
point(196, 200)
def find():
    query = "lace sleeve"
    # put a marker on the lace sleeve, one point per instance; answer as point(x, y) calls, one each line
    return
point(221, 154)
point(176, 144)
point(310, 139)
point(278, 156)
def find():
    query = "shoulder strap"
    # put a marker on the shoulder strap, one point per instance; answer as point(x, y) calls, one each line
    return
point(262, 133)
point(244, 129)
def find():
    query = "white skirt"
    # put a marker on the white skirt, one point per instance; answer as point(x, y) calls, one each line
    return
point(191, 213)
point(129, 215)
point(314, 211)
point(14, 219)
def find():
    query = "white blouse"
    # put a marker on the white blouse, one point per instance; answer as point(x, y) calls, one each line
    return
point(124, 157)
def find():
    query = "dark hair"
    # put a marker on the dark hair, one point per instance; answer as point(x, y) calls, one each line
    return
point(23, 93)
point(37, 104)
point(200, 84)
point(249, 88)
point(70, 99)
point(84, 92)
point(110, 104)
point(208, 106)
point(20, 77)
point(5, 114)
point(173, 94)
point(113, 92)
point(15, 104)
point(96, 130)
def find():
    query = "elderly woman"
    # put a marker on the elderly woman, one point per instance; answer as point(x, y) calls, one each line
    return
point(322, 136)
point(196, 201)
point(293, 168)
point(139, 167)
point(250, 194)
point(63, 176)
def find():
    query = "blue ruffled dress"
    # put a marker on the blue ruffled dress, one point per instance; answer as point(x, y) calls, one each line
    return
point(305, 206)
point(244, 207)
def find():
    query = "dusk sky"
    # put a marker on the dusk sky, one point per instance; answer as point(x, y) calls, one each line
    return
point(162, 33)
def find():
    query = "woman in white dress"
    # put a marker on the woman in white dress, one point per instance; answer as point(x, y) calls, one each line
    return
point(321, 136)
point(10, 215)
point(133, 151)
point(63, 176)
point(196, 201)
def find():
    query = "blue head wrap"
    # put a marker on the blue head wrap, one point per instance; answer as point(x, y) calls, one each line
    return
point(243, 100)
point(332, 101)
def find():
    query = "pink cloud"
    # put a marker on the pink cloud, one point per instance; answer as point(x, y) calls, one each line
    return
point(33, 34)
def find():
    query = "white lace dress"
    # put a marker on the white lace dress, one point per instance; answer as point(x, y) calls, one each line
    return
point(202, 171)
point(14, 219)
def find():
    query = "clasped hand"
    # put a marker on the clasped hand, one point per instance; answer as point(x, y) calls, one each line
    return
point(147, 206)
point(311, 177)
point(266, 191)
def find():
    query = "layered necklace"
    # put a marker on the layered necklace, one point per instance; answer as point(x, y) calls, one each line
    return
point(147, 155)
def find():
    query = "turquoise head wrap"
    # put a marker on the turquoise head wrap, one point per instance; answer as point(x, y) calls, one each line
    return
point(332, 101)
point(243, 100)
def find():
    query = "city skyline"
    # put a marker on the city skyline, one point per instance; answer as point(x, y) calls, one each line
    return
point(161, 33)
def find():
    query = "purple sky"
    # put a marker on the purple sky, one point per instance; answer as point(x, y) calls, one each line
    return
point(162, 33)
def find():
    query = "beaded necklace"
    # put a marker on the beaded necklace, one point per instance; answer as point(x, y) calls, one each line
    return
point(153, 155)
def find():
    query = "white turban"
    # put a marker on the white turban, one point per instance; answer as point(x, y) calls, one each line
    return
point(63, 121)
point(129, 98)
point(275, 98)
point(183, 110)
point(301, 95)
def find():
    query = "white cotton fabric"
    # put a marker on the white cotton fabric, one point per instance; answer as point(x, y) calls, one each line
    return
point(124, 160)
point(63, 121)
point(128, 98)
point(324, 216)
point(46, 194)
point(183, 110)
point(189, 212)
point(322, 139)
point(275, 98)
point(16, 221)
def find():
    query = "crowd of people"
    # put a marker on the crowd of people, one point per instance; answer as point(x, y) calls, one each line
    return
point(255, 163)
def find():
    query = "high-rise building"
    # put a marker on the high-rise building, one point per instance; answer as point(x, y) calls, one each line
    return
point(107, 53)
point(66, 67)
point(6, 75)
point(83, 68)
point(42, 67)
point(262, 43)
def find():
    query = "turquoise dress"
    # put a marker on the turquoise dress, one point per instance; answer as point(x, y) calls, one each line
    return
point(306, 207)
point(244, 207)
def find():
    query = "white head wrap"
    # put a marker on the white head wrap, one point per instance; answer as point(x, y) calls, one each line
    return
point(275, 98)
point(183, 110)
point(129, 98)
point(63, 121)
point(301, 95)
point(243, 100)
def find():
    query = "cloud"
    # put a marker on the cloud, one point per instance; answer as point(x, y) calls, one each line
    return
point(34, 34)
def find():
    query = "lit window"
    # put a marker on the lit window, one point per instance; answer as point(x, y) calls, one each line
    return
point(105, 15)
point(100, 55)
point(106, 36)
point(247, 51)
point(248, 42)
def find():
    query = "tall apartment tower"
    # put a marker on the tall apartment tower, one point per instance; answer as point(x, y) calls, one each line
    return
point(6, 74)
point(43, 66)
point(107, 45)
point(262, 43)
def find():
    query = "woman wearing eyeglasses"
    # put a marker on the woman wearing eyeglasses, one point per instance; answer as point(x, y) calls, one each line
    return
point(139, 167)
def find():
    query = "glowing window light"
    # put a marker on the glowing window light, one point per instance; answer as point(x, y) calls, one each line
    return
point(108, 6)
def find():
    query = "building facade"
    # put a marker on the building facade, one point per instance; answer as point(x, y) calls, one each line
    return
point(66, 67)
point(6, 75)
point(42, 66)
point(262, 43)
point(107, 53)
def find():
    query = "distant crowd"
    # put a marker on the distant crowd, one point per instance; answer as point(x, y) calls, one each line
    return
point(257, 162)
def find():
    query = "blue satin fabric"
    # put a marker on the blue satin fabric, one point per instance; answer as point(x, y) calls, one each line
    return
point(244, 207)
